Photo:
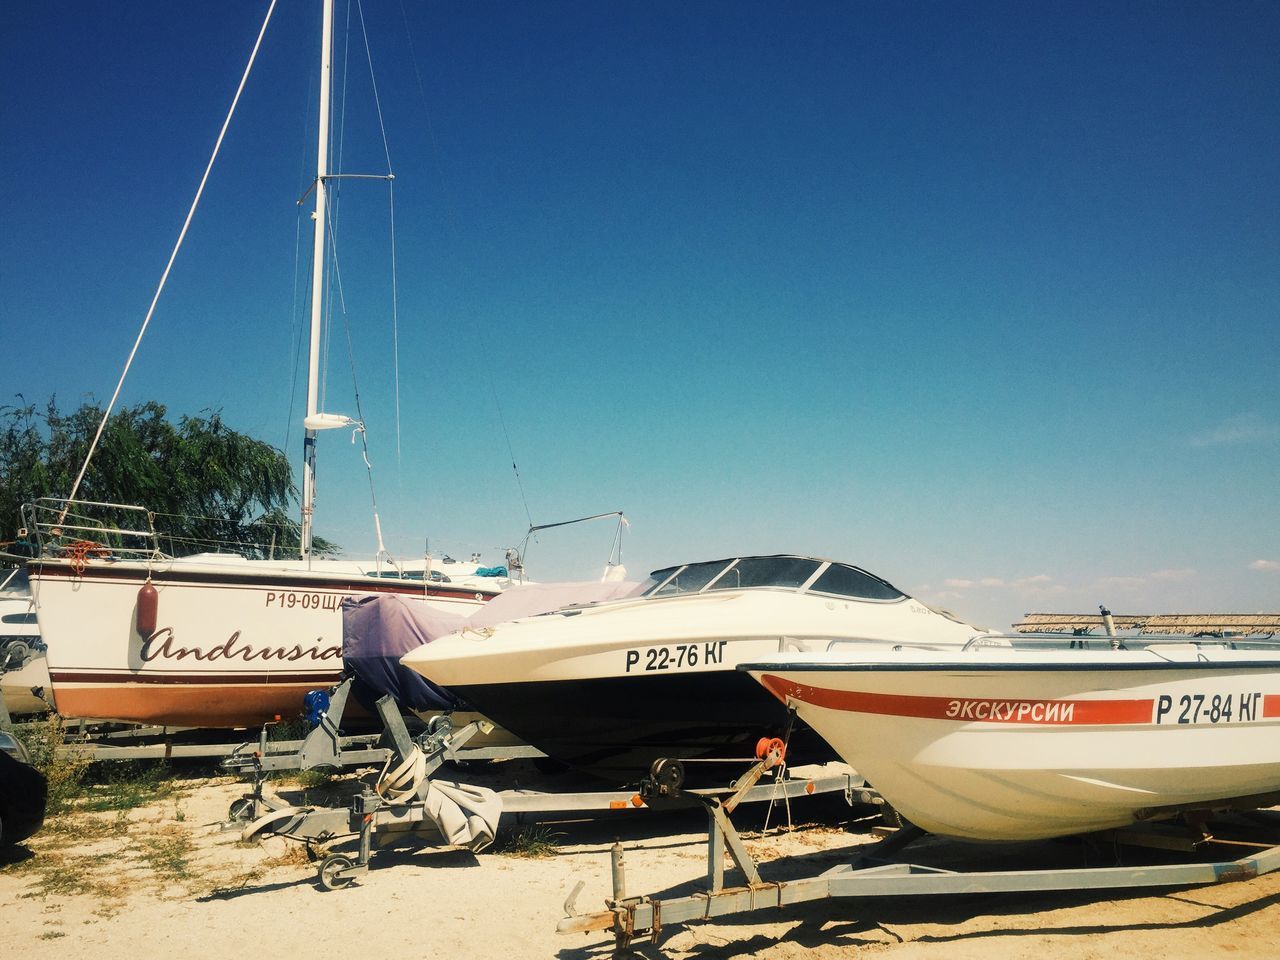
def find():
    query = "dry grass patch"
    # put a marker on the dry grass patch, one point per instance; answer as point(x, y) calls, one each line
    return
point(293, 858)
point(531, 842)
point(117, 827)
point(111, 828)
point(62, 875)
point(167, 853)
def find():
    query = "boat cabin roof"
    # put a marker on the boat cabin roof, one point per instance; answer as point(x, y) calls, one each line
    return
point(783, 571)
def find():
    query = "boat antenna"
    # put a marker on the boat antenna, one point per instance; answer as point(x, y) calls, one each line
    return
point(617, 540)
point(164, 277)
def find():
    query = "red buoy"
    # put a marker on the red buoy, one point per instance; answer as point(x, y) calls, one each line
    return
point(147, 610)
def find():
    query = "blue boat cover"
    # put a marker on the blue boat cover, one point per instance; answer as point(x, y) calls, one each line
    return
point(378, 630)
point(376, 635)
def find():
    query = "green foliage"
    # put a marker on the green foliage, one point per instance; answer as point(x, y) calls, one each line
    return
point(76, 782)
point(64, 766)
point(205, 482)
point(128, 784)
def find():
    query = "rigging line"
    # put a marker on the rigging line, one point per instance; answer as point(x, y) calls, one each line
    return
point(355, 387)
point(595, 516)
point(297, 326)
point(617, 538)
point(337, 141)
point(395, 314)
point(413, 56)
point(451, 220)
point(391, 192)
point(373, 80)
point(296, 329)
point(75, 487)
point(503, 421)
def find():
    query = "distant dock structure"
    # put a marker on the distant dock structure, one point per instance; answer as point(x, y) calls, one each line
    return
point(1261, 625)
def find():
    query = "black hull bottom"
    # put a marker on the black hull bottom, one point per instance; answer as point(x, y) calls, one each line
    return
point(615, 727)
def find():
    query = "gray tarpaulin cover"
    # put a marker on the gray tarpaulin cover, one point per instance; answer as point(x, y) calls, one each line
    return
point(378, 630)
point(467, 816)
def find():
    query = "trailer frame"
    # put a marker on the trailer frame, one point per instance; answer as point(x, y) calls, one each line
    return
point(872, 874)
point(369, 814)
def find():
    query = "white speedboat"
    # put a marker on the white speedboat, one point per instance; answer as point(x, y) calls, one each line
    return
point(213, 639)
point(610, 687)
point(997, 743)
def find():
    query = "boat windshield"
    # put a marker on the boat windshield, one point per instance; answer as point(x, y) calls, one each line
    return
point(14, 581)
point(768, 572)
point(688, 579)
point(819, 576)
point(846, 581)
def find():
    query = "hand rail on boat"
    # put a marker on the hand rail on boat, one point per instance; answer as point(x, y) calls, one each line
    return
point(1066, 641)
point(54, 526)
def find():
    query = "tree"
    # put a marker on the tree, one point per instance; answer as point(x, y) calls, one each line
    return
point(205, 482)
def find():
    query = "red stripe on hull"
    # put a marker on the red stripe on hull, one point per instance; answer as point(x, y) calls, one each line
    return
point(968, 709)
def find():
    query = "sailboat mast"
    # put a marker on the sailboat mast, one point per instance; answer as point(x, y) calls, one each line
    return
point(317, 283)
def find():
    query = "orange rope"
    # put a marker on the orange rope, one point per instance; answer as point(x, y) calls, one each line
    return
point(80, 551)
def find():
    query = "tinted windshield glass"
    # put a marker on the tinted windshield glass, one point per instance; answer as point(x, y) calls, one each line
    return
point(767, 572)
point(14, 581)
point(848, 582)
point(689, 580)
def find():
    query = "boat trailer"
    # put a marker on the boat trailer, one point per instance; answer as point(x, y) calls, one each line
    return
point(408, 800)
point(873, 874)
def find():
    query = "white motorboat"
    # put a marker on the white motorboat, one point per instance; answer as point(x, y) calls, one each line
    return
point(610, 687)
point(19, 630)
point(24, 674)
point(214, 639)
point(994, 742)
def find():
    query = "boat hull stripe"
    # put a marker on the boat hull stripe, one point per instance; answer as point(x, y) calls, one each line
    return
point(968, 709)
point(236, 679)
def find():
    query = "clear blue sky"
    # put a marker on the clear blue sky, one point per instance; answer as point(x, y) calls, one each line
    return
point(982, 297)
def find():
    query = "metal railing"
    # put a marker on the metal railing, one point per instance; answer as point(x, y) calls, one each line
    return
point(56, 527)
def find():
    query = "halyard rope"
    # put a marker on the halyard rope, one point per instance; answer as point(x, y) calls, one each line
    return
point(172, 257)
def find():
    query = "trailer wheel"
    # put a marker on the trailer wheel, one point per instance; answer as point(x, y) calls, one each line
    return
point(17, 653)
point(241, 811)
point(331, 869)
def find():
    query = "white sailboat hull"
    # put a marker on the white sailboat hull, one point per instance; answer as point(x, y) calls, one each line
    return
point(235, 643)
point(1021, 745)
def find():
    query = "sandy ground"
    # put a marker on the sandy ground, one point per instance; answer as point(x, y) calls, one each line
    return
point(162, 881)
